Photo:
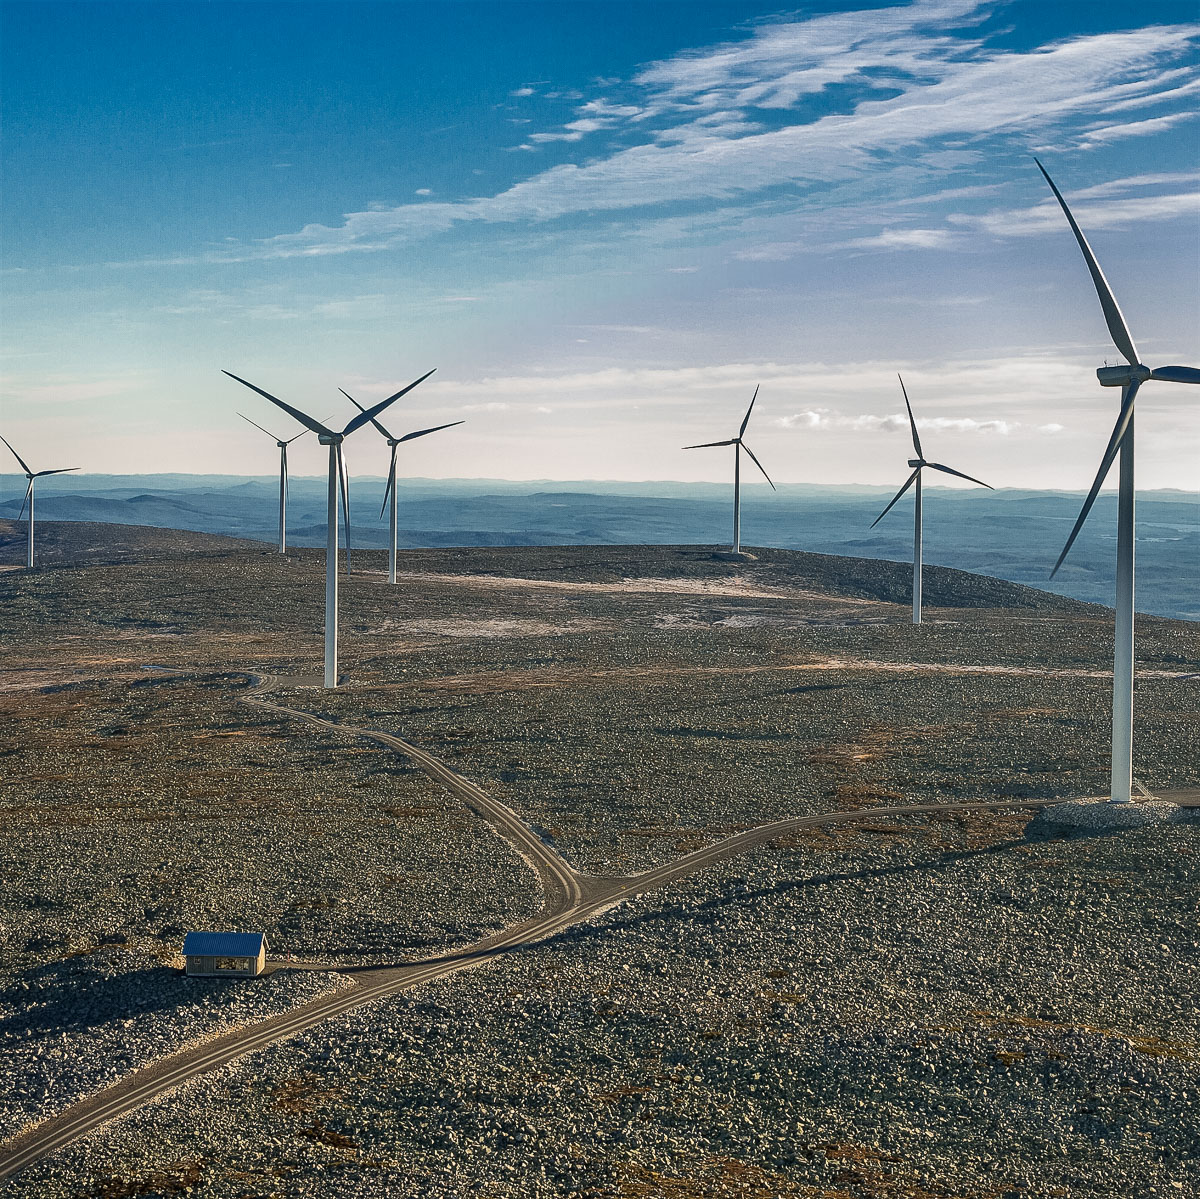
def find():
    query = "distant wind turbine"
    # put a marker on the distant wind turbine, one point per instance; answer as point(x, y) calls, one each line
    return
point(31, 475)
point(283, 478)
point(337, 476)
point(1128, 378)
point(390, 490)
point(739, 445)
point(919, 464)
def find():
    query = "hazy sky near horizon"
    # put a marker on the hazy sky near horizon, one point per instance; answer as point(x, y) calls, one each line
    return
point(604, 223)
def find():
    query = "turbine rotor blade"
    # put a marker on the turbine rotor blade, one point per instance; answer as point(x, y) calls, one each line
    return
point(390, 484)
point(345, 490)
point(62, 470)
point(28, 492)
point(258, 426)
point(371, 413)
point(18, 458)
point(362, 409)
point(297, 437)
point(1176, 374)
point(1110, 454)
point(283, 468)
point(1117, 328)
point(912, 423)
point(709, 444)
point(746, 418)
point(435, 429)
point(758, 464)
point(306, 420)
point(951, 471)
point(911, 480)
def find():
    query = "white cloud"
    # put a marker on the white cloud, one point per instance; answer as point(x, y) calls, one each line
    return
point(1046, 217)
point(1112, 133)
point(897, 422)
point(997, 382)
point(904, 239)
point(919, 89)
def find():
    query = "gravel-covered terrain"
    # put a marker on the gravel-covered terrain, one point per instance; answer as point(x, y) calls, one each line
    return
point(890, 1019)
point(70, 1028)
point(906, 1008)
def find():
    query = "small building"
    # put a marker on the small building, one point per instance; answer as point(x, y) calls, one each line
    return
point(225, 955)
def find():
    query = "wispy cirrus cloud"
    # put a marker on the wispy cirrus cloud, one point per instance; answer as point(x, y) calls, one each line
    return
point(1112, 133)
point(914, 86)
point(1109, 213)
point(1113, 204)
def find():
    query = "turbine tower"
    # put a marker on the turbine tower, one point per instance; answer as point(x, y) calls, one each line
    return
point(283, 445)
point(1128, 378)
point(739, 445)
point(31, 475)
point(390, 490)
point(337, 475)
point(919, 464)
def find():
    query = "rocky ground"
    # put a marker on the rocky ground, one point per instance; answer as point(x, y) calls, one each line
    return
point(70, 1028)
point(953, 1007)
point(891, 1019)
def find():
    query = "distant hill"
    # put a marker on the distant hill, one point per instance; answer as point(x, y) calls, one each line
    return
point(81, 543)
point(1009, 534)
point(78, 543)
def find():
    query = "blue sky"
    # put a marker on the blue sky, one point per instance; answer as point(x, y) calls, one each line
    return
point(605, 223)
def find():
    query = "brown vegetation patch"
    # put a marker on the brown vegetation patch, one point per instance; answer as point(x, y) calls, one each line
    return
point(303, 1093)
point(728, 1178)
point(853, 796)
point(877, 742)
point(1152, 1046)
point(324, 1135)
point(176, 1179)
point(984, 829)
point(715, 1178)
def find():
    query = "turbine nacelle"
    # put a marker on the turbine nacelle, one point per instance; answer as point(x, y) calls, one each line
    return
point(330, 438)
point(917, 462)
point(1123, 376)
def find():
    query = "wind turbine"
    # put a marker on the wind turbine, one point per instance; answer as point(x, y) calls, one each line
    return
point(337, 475)
point(390, 490)
point(1128, 378)
point(31, 475)
point(919, 464)
point(283, 445)
point(739, 445)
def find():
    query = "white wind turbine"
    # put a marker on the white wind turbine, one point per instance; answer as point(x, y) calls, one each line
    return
point(390, 490)
point(739, 445)
point(31, 475)
point(337, 475)
point(1129, 378)
point(283, 477)
point(919, 464)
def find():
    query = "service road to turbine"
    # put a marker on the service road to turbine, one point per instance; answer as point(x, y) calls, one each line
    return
point(570, 898)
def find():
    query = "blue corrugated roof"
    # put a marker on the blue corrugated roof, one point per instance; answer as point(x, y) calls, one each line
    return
point(223, 945)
